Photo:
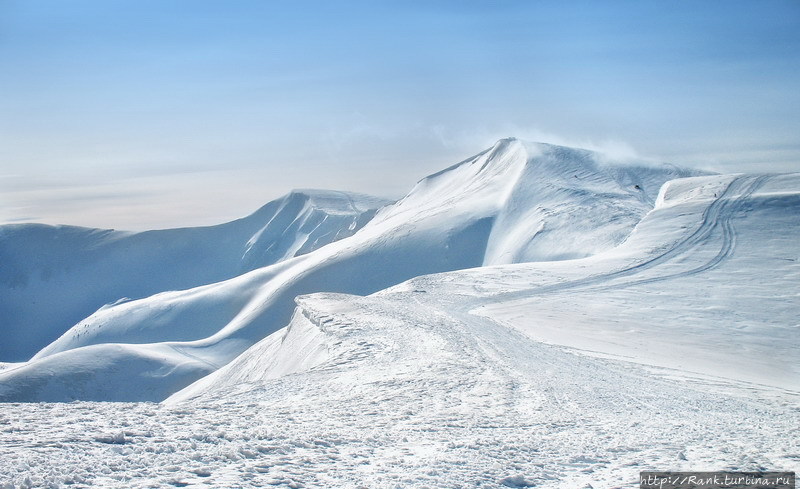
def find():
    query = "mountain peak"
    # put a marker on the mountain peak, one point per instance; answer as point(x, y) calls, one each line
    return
point(552, 202)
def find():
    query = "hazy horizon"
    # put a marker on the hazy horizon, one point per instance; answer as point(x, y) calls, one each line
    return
point(139, 115)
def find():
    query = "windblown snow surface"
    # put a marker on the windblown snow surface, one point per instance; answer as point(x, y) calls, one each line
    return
point(614, 318)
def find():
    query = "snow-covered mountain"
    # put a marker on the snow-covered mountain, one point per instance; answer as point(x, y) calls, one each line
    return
point(516, 201)
point(535, 316)
point(694, 287)
point(53, 276)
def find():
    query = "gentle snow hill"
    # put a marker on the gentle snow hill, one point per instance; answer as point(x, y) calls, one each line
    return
point(51, 277)
point(708, 284)
point(516, 201)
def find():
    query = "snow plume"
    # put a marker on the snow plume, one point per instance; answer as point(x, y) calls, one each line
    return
point(610, 151)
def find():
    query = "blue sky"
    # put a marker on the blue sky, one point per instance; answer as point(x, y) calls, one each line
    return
point(136, 114)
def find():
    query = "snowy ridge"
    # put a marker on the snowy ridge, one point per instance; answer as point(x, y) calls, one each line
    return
point(453, 220)
point(456, 219)
point(305, 221)
point(318, 336)
point(677, 248)
point(39, 299)
point(547, 202)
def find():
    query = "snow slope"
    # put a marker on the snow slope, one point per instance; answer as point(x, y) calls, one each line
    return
point(441, 382)
point(675, 350)
point(54, 276)
point(512, 202)
point(408, 391)
point(708, 284)
point(660, 354)
point(696, 288)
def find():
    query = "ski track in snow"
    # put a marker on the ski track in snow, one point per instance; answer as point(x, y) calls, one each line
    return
point(717, 215)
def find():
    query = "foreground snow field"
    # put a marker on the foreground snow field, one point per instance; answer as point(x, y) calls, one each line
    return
point(672, 346)
point(407, 394)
